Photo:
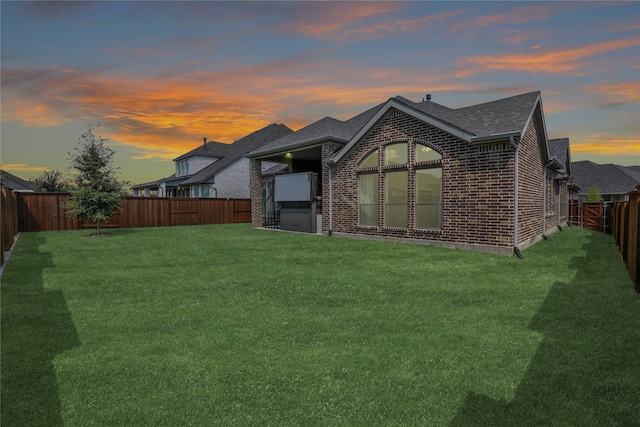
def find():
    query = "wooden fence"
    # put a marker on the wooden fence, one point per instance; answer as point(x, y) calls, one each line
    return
point(44, 212)
point(8, 220)
point(619, 219)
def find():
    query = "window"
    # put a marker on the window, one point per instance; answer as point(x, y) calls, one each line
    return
point(424, 153)
point(370, 161)
point(182, 167)
point(401, 161)
point(395, 154)
point(395, 198)
point(429, 198)
point(368, 198)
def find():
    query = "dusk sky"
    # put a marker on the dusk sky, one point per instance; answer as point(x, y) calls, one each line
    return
point(159, 76)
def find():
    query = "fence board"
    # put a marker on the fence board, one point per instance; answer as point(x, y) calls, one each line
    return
point(8, 221)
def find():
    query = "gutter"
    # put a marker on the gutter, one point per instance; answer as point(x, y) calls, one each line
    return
point(295, 146)
point(495, 137)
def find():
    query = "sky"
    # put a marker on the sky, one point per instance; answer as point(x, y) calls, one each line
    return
point(158, 76)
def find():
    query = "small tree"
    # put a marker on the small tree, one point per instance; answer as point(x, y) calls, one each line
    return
point(51, 181)
point(593, 195)
point(99, 194)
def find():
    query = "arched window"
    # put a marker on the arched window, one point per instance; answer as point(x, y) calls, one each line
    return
point(401, 160)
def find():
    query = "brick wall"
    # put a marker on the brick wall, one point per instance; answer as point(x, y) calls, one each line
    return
point(530, 186)
point(477, 188)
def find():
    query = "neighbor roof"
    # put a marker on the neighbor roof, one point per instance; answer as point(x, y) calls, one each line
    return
point(12, 182)
point(238, 150)
point(209, 149)
point(608, 178)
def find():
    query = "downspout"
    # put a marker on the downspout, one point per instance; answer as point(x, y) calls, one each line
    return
point(559, 197)
point(515, 196)
point(330, 199)
point(544, 201)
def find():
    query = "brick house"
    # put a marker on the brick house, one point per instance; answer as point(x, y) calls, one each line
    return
point(482, 177)
point(214, 169)
point(613, 182)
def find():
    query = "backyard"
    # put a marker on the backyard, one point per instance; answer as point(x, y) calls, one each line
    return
point(227, 325)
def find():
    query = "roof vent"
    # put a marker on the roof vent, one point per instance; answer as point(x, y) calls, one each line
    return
point(428, 97)
point(205, 143)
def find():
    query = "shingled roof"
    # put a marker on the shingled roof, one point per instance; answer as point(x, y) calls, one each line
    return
point(495, 117)
point(559, 150)
point(12, 182)
point(237, 150)
point(508, 115)
point(607, 178)
point(323, 129)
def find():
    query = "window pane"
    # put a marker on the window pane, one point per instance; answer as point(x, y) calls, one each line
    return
point(396, 198)
point(368, 215)
point(395, 154)
point(396, 187)
point(429, 216)
point(424, 153)
point(396, 216)
point(370, 161)
point(429, 185)
point(368, 199)
point(368, 188)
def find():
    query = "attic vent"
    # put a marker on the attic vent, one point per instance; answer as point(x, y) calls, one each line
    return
point(393, 113)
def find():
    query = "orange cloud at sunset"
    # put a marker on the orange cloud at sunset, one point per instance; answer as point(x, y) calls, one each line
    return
point(515, 16)
point(164, 117)
point(607, 145)
point(331, 22)
point(626, 91)
point(568, 61)
point(21, 167)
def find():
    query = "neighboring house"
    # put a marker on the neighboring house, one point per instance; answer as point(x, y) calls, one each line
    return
point(470, 178)
point(213, 170)
point(612, 181)
point(14, 183)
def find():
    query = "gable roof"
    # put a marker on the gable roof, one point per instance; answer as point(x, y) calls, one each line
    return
point(480, 123)
point(560, 151)
point(12, 182)
point(238, 150)
point(210, 149)
point(607, 178)
point(475, 124)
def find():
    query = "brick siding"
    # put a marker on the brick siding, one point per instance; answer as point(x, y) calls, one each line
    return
point(477, 188)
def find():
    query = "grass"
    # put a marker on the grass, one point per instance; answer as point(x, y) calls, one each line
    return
point(225, 325)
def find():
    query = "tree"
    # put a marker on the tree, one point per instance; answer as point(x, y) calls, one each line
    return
point(99, 194)
point(593, 195)
point(51, 181)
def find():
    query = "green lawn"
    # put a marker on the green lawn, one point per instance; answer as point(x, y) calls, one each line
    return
point(225, 325)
